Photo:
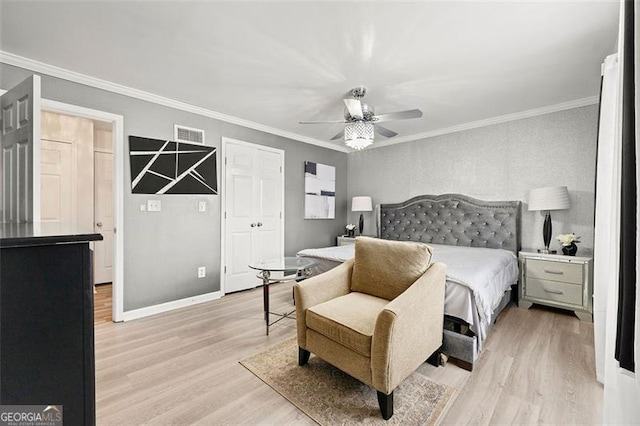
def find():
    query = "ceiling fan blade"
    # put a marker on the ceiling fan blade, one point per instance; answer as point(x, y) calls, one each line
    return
point(354, 107)
point(322, 122)
point(399, 115)
point(338, 136)
point(384, 131)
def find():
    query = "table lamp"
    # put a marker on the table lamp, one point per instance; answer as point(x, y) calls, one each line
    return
point(361, 204)
point(547, 199)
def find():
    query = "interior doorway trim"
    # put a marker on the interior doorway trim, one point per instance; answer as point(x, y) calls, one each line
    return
point(117, 122)
point(223, 203)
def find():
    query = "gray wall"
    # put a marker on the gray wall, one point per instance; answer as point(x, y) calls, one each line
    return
point(163, 250)
point(498, 162)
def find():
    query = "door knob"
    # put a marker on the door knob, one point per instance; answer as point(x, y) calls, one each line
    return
point(253, 225)
point(259, 223)
point(99, 224)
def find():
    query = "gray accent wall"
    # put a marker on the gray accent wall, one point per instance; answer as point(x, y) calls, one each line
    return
point(498, 162)
point(162, 250)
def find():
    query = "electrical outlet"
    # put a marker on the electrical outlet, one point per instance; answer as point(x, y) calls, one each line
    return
point(154, 205)
point(202, 272)
point(202, 206)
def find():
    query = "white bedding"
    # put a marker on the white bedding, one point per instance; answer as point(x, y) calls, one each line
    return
point(476, 279)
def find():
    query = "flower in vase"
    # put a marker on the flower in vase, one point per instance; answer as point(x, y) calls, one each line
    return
point(350, 227)
point(568, 239)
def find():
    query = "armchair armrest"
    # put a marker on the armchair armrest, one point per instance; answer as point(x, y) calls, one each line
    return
point(318, 289)
point(408, 330)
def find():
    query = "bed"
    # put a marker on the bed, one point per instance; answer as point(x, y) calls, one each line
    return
point(478, 240)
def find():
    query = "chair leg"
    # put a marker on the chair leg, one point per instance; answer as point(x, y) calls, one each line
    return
point(386, 404)
point(303, 356)
point(436, 358)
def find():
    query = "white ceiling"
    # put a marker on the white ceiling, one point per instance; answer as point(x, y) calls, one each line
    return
point(280, 63)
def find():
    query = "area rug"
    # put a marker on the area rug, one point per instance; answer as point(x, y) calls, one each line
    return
point(331, 397)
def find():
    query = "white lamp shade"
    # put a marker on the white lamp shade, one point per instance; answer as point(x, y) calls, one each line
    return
point(549, 198)
point(361, 204)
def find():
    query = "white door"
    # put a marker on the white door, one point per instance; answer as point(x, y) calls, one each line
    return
point(253, 218)
point(67, 169)
point(58, 182)
point(20, 145)
point(103, 192)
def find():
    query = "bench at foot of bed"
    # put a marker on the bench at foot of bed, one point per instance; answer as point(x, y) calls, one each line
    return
point(463, 349)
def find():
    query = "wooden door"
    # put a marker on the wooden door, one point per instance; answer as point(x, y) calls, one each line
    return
point(20, 144)
point(254, 190)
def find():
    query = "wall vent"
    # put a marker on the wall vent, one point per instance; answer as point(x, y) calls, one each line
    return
point(187, 134)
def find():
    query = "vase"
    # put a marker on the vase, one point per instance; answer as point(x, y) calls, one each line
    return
point(351, 233)
point(570, 250)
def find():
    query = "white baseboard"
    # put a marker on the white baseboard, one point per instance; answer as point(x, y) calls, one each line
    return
point(169, 306)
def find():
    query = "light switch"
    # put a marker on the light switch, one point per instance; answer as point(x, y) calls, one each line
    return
point(153, 205)
point(202, 206)
point(143, 207)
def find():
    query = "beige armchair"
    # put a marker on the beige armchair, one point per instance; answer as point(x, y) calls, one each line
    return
point(377, 316)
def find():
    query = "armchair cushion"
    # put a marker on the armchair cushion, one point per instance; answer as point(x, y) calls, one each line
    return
point(348, 320)
point(385, 268)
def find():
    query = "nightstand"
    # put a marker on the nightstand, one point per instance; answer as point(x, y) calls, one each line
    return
point(556, 280)
point(343, 240)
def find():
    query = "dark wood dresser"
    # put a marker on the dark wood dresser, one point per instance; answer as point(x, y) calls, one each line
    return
point(46, 319)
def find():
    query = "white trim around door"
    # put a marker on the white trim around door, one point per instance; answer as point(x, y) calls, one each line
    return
point(117, 122)
point(223, 207)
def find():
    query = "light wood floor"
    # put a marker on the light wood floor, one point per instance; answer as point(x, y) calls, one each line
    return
point(102, 304)
point(182, 367)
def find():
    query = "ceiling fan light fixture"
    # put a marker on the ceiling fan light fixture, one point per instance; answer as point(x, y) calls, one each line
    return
point(358, 135)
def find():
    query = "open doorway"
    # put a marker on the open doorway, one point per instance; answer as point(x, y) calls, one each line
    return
point(77, 187)
point(81, 157)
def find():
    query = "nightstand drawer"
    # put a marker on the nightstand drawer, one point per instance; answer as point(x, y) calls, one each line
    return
point(343, 240)
point(554, 290)
point(554, 271)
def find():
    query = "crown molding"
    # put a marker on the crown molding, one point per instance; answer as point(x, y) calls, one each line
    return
point(491, 121)
point(53, 71)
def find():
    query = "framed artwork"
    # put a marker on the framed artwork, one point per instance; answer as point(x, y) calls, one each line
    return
point(167, 167)
point(319, 191)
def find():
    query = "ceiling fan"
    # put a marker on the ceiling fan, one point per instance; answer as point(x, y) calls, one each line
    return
point(361, 122)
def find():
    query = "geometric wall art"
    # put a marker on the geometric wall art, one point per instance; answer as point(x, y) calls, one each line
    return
point(168, 167)
point(319, 191)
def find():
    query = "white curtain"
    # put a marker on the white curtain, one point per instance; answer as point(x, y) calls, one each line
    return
point(606, 241)
point(621, 387)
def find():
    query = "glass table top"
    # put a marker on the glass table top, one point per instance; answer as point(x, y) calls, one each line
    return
point(284, 264)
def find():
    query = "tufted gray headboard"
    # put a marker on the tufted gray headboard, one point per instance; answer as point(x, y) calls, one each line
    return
point(452, 219)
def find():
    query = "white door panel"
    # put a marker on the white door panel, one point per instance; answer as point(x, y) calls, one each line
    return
point(240, 210)
point(240, 244)
point(269, 249)
point(242, 204)
point(20, 145)
point(104, 220)
point(253, 202)
point(270, 197)
point(58, 182)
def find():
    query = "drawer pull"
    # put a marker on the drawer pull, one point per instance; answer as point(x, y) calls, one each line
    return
point(552, 291)
point(551, 271)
